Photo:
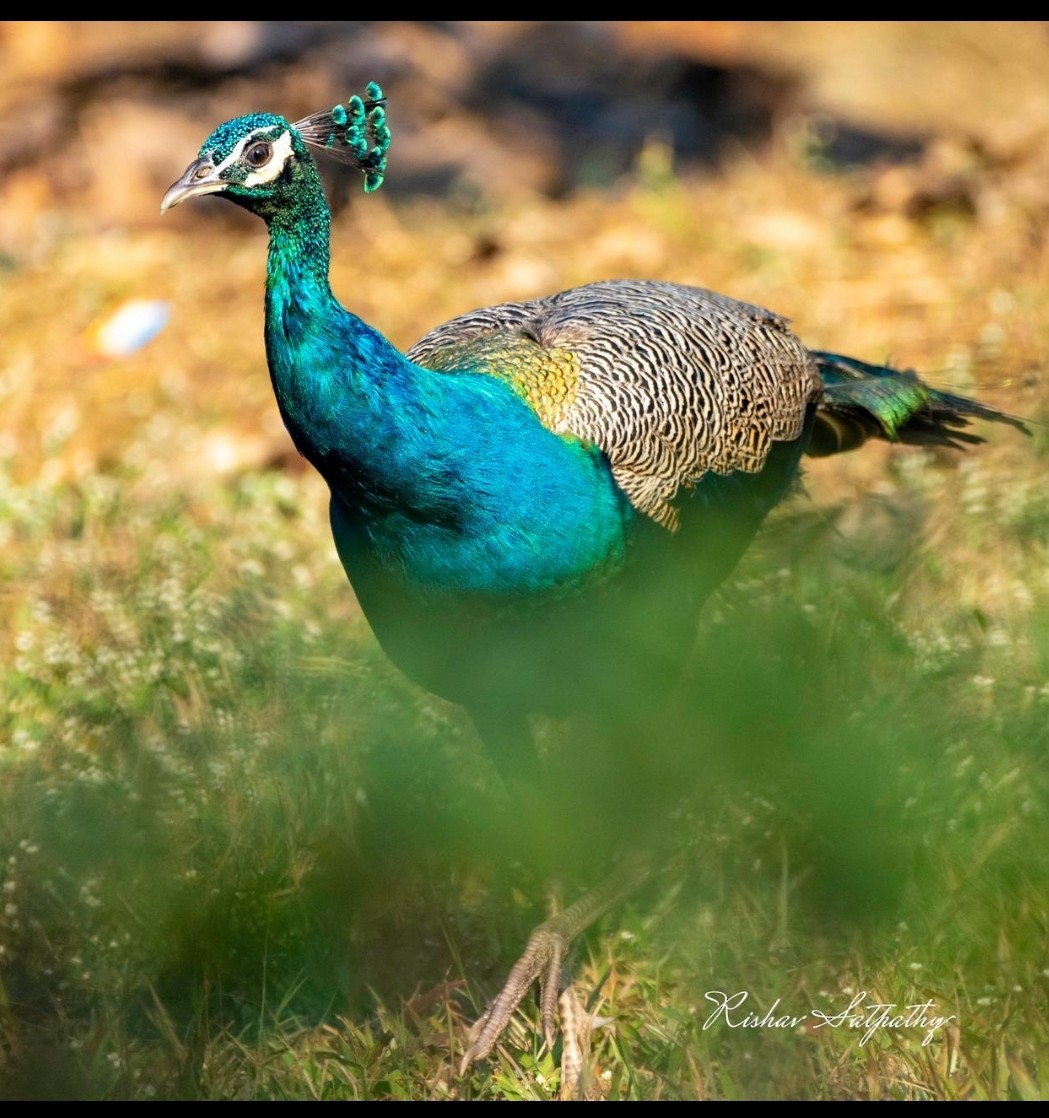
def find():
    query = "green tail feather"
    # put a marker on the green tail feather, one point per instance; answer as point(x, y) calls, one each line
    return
point(862, 401)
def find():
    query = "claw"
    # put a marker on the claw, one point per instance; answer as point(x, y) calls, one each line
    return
point(543, 959)
point(544, 956)
point(576, 1027)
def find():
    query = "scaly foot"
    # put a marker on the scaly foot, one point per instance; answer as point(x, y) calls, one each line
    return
point(544, 957)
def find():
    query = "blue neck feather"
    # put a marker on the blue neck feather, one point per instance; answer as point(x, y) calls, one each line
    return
point(448, 479)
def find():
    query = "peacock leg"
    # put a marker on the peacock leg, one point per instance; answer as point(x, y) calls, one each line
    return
point(545, 954)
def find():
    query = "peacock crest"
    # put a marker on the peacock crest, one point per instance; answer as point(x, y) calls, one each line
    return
point(356, 131)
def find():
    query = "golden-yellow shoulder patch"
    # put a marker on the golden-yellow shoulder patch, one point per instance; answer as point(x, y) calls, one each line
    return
point(547, 379)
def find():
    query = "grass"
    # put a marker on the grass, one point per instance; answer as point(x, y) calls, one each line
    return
point(242, 858)
point(238, 849)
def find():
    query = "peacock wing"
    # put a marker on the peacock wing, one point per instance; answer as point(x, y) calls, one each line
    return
point(671, 382)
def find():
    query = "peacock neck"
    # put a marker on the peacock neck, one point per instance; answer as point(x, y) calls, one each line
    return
point(299, 252)
point(350, 400)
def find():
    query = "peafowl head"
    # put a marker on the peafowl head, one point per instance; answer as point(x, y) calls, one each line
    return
point(260, 161)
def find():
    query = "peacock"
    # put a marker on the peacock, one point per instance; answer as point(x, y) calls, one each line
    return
point(533, 503)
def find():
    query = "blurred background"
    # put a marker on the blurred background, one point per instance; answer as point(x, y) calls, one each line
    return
point(522, 134)
point(238, 853)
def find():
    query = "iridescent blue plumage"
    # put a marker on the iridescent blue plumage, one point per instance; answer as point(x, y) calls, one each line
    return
point(450, 479)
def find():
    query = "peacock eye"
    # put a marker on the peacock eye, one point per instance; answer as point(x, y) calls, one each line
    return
point(258, 154)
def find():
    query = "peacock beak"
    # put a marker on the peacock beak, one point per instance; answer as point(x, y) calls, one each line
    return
point(200, 177)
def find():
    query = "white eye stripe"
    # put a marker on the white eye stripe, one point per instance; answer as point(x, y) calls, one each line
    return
point(275, 167)
point(282, 151)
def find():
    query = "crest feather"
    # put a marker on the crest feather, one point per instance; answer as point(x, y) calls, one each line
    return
point(355, 133)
